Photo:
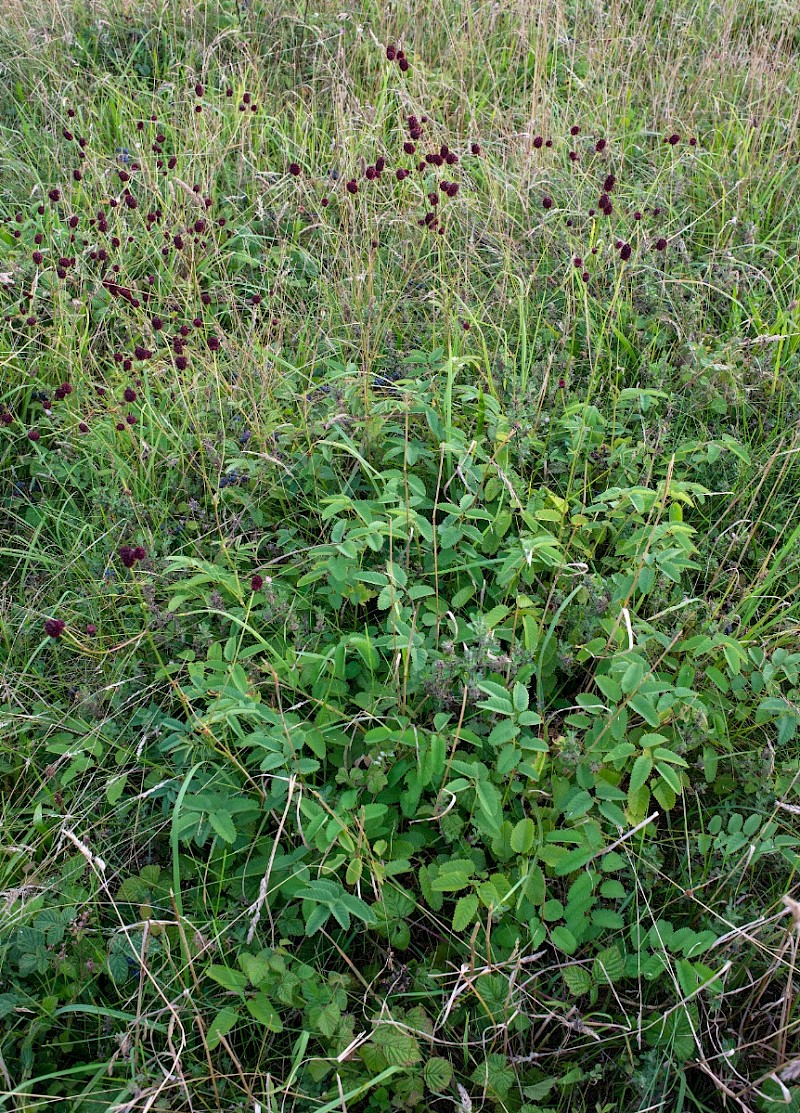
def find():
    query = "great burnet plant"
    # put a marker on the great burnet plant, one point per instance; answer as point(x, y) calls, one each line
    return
point(456, 708)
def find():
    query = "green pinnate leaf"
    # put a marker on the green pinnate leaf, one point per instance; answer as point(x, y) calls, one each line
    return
point(220, 1026)
point(577, 979)
point(523, 836)
point(642, 768)
point(465, 910)
point(438, 1074)
point(261, 1009)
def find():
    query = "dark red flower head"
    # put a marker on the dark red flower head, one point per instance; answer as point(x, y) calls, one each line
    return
point(673, 139)
point(391, 52)
point(130, 394)
point(625, 251)
point(294, 169)
point(403, 64)
point(256, 582)
point(198, 90)
point(475, 148)
point(352, 186)
point(91, 629)
point(574, 130)
point(661, 244)
point(54, 627)
point(547, 202)
point(600, 145)
point(139, 553)
point(538, 142)
point(126, 556)
point(34, 434)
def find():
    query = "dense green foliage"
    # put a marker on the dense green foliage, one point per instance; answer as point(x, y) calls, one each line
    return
point(399, 674)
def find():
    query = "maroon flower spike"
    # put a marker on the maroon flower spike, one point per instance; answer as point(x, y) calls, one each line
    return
point(91, 629)
point(352, 186)
point(538, 142)
point(213, 343)
point(693, 142)
point(625, 251)
point(37, 257)
point(380, 164)
point(198, 90)
point(476, 148)
point(34, 434)
point(674, 139)
point(126, 556)
point(83, 427)
point(6, 418)
point(574, 130)
point(256, 582)
point(369, 173)
point(600, 145)
point(549, 143)
point(54, 627)
point(391, 52)
point(54, 194)
point(661, 245)
point(608, 184)
point(294, 169)
point(573, 156)
point(562, 383)
point(139, 553)
point(409, 147)
point(400, 173)
point(547, 202)
point(585, 276)
point(637, 215)
point(130, 394)
point(142, 353)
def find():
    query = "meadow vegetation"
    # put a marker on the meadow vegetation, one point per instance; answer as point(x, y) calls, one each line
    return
point(399, 552)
